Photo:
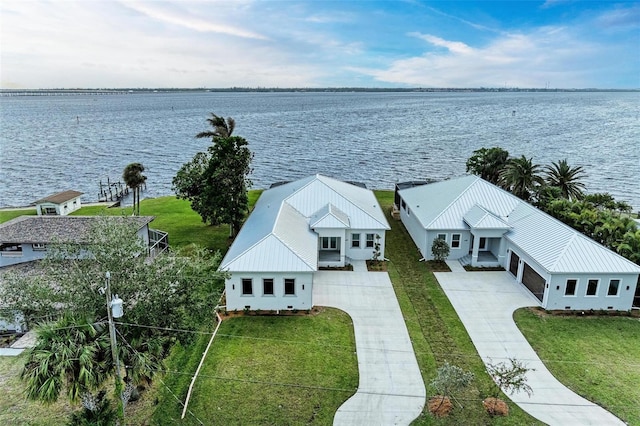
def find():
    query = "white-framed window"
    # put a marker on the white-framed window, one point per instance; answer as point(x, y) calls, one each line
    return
point(289, 287)
point(10, 249)
point(39, 246)
point(571, 287)
point(370, 240)
point(455, 240)
point(355, 240)
point(592, 287)
point(614, 288)
point(267, 286)
point(329, 243)
point(247, 287)
point(404, 205)
point(442, 237)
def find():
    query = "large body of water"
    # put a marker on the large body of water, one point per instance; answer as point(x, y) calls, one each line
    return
point(53, 143)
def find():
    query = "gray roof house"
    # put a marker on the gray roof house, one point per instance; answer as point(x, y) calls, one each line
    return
point(25, 238)
point(295, 228)
point(488, 226)
point(60, 204)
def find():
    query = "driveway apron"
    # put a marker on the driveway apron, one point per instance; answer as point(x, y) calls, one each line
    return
point(485, 302)
point(391, 390)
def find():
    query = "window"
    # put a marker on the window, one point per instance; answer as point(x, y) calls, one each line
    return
point(592, 288)
point(355, 240)
point(570, 289)
point(50, 210)
point(39, 246)
point(404, 205)
point(442, 237)
point(614, 286)
point(455, 240)
point(370, 238)
point(267, 286)
point(289, 287)
point(408, 211)
point(329, 243)
point(10, 249)
point(247, 286)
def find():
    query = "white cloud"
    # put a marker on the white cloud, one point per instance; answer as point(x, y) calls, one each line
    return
point(157, 11)
point(548, 55)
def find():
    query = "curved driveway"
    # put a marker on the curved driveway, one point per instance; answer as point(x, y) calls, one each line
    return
point(391, 390)
point(485, 302)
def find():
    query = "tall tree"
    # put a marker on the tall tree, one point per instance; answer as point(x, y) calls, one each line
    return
point(134, 179)
point(567, 178)
point(216, 182)
point(488, 163)
point(521, 177)
point(170, 291)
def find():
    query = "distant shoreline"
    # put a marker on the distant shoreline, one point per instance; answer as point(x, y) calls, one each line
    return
point(125, 91)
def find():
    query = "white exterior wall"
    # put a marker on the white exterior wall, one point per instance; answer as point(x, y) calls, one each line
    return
point(416, 231)
point(454, 253)
point(525, 258)
point(622, 302)
point(363, 252)
point(62, 209)
point(258, 301)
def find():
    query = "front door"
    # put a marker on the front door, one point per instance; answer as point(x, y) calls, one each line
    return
point(482, 245)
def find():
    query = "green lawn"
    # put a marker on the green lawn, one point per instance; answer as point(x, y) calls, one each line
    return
point(7, 215)
point(436, 331)
point(597, 357)
point(15, 409)
point(267, 370)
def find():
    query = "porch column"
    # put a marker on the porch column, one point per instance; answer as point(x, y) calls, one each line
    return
point(475, 250)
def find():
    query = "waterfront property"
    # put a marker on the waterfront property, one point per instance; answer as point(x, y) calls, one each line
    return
point(485, 225)
point(294, 229)
point(60, 204)
point(26, 238)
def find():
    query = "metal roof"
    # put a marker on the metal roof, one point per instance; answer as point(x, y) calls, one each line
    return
point(65, 229)
point(480, 218)
point(555, 246)
point(329, 216)
point(277, 236)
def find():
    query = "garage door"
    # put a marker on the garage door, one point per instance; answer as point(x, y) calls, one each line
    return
point(533, 281)
point(513, 264)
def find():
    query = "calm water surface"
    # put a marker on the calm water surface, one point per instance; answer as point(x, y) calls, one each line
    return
point(54, 143)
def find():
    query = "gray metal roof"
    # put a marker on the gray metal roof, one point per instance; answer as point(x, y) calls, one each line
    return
point(67, 229)
point(480, 218)
point(277, 236)
point(555, 246)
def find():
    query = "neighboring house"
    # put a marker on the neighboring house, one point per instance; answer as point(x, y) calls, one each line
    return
point(26, 238)
point(60, 204)
point(487, 226)
point(295, 228)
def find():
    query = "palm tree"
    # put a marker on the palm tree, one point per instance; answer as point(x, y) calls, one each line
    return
point(134, 179)
point(221, 128)
point(69, 354)
point(521, 177)
point(566, 178)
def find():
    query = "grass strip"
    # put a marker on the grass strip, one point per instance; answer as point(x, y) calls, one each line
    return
point(597, 357)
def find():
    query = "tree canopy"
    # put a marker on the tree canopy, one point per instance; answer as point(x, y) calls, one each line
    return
point(488, 163)
point(216, 181)
point(170, 291)
point(134, 179)
point(566, 178)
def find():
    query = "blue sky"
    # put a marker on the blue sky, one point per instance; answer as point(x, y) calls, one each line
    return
point(245, 43)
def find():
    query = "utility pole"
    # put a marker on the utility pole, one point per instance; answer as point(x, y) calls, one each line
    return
point(114, 304)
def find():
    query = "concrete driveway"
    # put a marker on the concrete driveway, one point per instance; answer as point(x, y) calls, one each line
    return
point(485, 302)
point(391, 390)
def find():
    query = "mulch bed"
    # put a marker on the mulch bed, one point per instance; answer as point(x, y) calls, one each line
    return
point(376, 266)
point(496, 407)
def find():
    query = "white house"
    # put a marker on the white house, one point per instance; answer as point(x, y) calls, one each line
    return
point(488, 226)
point(60, 204)
point(294, 229)
point(26, 238)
